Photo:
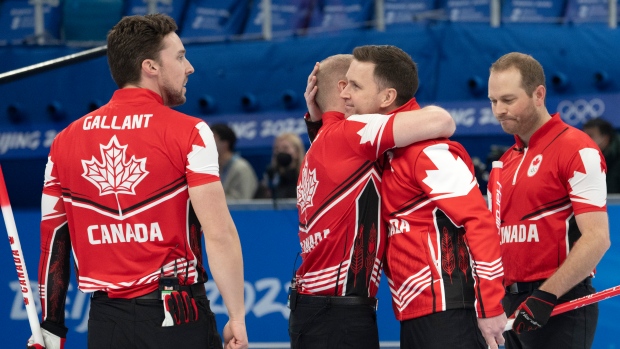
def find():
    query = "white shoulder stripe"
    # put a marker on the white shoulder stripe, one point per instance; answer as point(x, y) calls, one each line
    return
point(589, 187)
point(374, 126)
point(204, 159)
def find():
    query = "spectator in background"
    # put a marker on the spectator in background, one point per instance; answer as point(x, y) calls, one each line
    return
point(236, 173)
point(280, 179)
point(604, 135)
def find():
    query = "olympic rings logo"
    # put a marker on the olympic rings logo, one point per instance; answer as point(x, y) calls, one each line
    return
point(581, 110)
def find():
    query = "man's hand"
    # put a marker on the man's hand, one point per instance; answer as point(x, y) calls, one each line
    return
point(235, 335)
point(534, 312)
point(310, 94)
point(50, 340)
point(492, 329)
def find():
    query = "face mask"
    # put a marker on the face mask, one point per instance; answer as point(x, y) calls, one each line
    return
point(283, 159)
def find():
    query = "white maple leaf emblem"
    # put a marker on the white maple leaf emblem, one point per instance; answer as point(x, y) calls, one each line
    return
point(452, 176)
point(375, 123)
point(307, 188)
point(589, 187)
point(114, 175)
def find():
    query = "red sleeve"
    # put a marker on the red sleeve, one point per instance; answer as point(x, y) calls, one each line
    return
point(54, 263)
point(202, 166)
point(370, 135)
point(585, 179)
point(445, 173)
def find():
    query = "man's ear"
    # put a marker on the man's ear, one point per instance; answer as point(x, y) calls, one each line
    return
point(389, 96)
point(150, 67)
point(341, 85)
point(539, 95)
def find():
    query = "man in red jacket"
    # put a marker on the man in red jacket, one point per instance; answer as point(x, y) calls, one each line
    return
point(340, 231)
point(442, 258)
point(552, 209)
point(129, 190)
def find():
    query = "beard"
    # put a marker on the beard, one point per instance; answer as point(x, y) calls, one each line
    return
point(171, 97)
point(528, 120)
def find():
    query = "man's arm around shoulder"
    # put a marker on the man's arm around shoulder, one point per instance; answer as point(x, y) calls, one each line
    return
point(418, 125)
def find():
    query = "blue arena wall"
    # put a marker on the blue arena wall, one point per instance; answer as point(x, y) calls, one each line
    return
point(453, 61)
point(270, 244)
point(583, 80)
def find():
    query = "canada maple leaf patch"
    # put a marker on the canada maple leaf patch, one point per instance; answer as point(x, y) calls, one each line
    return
point(114, 174)
point(306, 188)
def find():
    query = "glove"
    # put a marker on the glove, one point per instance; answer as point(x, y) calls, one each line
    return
point(534, 312)
point(54, 336)
point(312, 126)
point(179, 308)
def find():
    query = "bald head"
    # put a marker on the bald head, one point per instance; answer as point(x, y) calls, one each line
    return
point(331, 70)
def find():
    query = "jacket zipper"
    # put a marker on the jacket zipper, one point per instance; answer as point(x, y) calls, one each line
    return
point(514, 179)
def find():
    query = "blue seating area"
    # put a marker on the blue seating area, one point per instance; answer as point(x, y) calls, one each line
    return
point(529, 12)
point(288, 18)
point(331, 16)
point(467, 11)
point(587, 11)
point(213, 20)
point(175, 9)
point(17, 21)
point(89, 20)
point(256, 85)
point(401, 13)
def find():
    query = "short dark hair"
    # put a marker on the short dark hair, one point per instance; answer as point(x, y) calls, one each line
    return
point(226, 134)
point(134, 39)
point(603, 126)
point(532, 73)
point(394, 68)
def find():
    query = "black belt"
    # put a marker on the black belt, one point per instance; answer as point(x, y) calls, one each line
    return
point(522, 287)
point(336, 300)
point(195, 290)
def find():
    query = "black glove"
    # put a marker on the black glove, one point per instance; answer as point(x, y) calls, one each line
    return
point(179, 308)
point(534, 312)
point(313, 127)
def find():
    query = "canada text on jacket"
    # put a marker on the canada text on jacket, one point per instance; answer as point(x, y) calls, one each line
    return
point(519, 233)
point(117, 233)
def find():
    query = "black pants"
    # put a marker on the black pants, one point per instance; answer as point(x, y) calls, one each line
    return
point(333, 327)
point(455, 328)
point(571, 330)
point(136, 324)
